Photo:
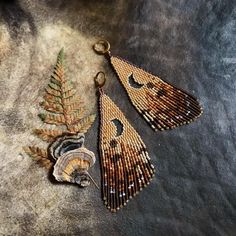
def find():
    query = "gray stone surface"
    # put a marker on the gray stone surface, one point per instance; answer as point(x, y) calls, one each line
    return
point(190, 44)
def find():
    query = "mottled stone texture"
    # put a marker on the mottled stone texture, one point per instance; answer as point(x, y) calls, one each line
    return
point(188, 43)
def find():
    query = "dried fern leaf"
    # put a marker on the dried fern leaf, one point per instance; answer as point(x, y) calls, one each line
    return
point(68, 94)
point(52, 107)
point(36, 152)
point(84, 124)
point(68, 101)
point(73, 107)
point(76, 116)
point(60, 98)
point(59, 71)
point(52, 99)
point(53, 92)
point(66, 86)
point(53, 119)
point(47, 134)
point(56, 79)
point(60, 58)
point(56, 82)
point(54, 86)
point(40, 155)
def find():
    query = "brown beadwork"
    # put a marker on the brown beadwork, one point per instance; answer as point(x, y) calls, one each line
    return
point(125, 163)
point(162, 105)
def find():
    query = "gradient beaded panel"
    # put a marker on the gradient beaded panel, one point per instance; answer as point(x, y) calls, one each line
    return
point(162, 105)
point(125, 163)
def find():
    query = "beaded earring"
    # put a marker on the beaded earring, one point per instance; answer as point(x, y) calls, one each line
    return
point(162, 105)
point(125, 163)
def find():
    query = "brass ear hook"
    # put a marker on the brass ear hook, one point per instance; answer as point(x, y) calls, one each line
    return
point(100, 79)
point(102, 47)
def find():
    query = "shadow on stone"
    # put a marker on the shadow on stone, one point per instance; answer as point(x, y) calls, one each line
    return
point(15, 16)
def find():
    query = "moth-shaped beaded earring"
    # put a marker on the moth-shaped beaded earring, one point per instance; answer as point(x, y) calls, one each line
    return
point(66, 152)
point(125, 163)
point(162, 105)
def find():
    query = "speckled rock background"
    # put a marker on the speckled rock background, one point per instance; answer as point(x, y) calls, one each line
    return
point(188, 43)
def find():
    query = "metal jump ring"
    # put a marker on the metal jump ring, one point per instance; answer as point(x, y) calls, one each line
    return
point(100, 75)
point(102, 47)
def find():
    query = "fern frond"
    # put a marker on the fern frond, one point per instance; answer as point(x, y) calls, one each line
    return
point(60, 57)
point(53, 92)
point(74, 117)
point(83, 125)
point(59, 71)
point(68, 101)
point(55, 86)
point(66, 86)
point(53, 119)
point(79, 114)
point(73, 107)
point(61, 99)
point(86, 123)
point(40, 155)
point(48, 134)
point(52, 99)
point(52, 107)
point(68, 94)
point(56, 79)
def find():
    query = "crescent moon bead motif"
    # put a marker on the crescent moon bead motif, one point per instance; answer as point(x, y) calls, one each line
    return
point(134, 83)
point(119, 127)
